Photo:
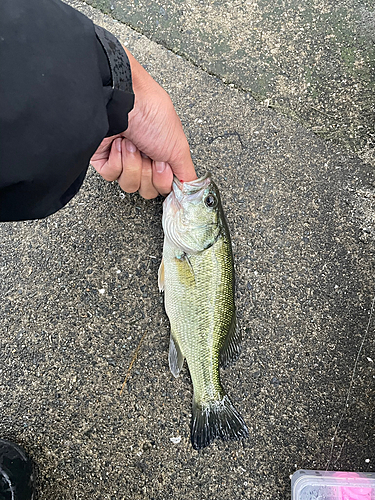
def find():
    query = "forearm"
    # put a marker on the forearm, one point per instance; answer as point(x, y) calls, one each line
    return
point(56, 106)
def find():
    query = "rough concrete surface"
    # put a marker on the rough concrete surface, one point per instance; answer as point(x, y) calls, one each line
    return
point(313, 60)
point(79, 290)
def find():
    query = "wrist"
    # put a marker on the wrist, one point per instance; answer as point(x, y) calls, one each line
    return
point(140, 77)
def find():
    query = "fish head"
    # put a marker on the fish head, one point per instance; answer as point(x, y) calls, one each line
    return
point(192, 215)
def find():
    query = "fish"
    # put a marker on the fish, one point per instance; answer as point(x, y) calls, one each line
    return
point(196, 275)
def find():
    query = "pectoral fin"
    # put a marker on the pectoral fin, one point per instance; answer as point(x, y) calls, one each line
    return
point(190, 267)
point(175, 357)
point(161, 276)
point(185, 270)
point(232, 345)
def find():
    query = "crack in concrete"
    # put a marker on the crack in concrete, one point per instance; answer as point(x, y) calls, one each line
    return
point(232, 84)
point(229, 134)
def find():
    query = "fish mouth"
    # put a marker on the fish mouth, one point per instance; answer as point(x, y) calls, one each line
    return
point(191, 187)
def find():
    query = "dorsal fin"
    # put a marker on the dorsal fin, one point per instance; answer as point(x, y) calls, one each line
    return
point(232, 345)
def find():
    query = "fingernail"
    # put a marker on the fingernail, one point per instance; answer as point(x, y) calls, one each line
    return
point(160, 166)
point(130, 146)
point(118, 145)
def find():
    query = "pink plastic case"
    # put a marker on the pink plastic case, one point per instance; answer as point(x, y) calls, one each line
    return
point(327, 485)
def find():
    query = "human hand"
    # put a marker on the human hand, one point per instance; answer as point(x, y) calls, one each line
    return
point(153, 147)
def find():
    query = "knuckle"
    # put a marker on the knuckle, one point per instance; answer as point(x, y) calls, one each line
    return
point(114, 173)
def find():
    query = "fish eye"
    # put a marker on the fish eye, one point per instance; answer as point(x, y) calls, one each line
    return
point(210, 201)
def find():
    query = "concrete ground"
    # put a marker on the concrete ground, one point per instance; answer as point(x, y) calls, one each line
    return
point(78, 291)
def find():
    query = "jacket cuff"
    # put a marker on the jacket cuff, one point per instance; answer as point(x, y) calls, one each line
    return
point(120, 96)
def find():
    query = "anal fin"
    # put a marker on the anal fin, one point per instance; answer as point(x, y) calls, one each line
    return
point(232, 345)
point(175, 357)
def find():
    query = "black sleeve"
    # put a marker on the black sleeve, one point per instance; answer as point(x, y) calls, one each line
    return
point(65, 84)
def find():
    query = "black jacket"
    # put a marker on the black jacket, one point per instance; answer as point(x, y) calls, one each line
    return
point(65, 84)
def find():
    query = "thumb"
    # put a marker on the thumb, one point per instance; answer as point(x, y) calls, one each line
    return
point(182, 166)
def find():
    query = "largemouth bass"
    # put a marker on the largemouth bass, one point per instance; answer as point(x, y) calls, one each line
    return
point(197, 277)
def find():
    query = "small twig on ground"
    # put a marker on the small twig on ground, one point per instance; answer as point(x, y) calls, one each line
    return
point(132, 363)
point(322, 112)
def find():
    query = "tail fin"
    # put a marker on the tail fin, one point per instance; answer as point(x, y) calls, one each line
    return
point(216, 419)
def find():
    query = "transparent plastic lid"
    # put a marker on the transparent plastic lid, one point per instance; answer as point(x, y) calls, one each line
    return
point(326, 485)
